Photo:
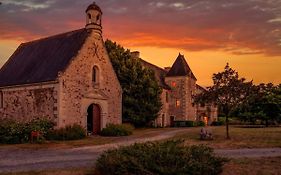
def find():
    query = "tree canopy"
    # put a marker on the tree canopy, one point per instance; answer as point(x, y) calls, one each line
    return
point(227, 91)
point(141, 92)
point(263, 103)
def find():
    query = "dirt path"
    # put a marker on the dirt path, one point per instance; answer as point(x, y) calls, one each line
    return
point(19, 160)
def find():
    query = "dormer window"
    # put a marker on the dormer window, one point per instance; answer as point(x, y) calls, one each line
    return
point(95, 75)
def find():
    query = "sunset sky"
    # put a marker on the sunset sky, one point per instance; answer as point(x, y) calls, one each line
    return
point(210, 33)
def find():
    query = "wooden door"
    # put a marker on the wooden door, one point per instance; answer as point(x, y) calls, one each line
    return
point(96, 119)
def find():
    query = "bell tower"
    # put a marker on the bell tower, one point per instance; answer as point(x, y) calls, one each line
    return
point(93, 18)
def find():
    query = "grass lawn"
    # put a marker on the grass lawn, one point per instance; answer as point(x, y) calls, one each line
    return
point(90, 141)
point(240, 137)
point(253, 166)
point(80, 171)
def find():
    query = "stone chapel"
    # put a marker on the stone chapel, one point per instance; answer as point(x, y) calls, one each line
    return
point(67, 78)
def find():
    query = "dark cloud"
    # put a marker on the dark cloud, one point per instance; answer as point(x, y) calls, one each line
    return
point(237, 26)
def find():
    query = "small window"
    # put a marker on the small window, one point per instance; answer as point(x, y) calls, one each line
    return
point(98, 17)
point(95, 75)
point(174, 84)
point(1, 100)
point(178, 103)
point(89, 16)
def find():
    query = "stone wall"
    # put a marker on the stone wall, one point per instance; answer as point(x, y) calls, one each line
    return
point(163, 118)
point(28, 102)
point(180, 104)
point(78, 92)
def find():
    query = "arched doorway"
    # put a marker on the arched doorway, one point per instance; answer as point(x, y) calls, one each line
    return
point(94, 119)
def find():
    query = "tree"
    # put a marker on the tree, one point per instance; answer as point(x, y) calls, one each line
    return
point(227, 91)
point(263, 103)
point(141, 92)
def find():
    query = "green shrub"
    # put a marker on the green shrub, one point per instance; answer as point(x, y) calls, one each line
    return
point(13, 132)
point(165, 158)
point(70, 132)
point(217, 123)
point(184, 123)
point(117, 130)
point(200, 123)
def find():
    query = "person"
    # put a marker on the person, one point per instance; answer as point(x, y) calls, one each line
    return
point(203, 134)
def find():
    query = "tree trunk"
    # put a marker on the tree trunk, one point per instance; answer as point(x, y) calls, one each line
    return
point(227, 127)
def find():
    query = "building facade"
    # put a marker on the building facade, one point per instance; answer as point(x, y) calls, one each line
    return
point(179, 87)
point(67, 78)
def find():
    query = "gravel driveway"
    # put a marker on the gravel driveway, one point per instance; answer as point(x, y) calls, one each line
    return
point(19, 160)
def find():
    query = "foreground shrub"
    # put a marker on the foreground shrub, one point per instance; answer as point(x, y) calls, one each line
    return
point(70, 132)
point(117, 130)
point(13, 132)
point(166, 158)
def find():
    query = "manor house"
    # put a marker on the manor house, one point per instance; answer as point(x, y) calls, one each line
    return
point(179, 87)
point(68, 78)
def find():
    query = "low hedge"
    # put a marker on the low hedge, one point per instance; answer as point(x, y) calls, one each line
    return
point(188, 123)
point(70, 132)
point(165, 158)
point(217, 123)
point(13, 132)
point(117, 130)
point(184, 123)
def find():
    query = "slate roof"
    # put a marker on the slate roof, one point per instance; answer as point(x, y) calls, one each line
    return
point(180, 68)
point(201, 88)
point(159, 73)
point(41, 60)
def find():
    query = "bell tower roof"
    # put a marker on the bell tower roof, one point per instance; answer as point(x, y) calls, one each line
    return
point(93, 6)
point(94, 18)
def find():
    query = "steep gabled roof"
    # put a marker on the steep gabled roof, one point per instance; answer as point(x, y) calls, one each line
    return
point(159, 73)
point(180, 68)
point(41, 60)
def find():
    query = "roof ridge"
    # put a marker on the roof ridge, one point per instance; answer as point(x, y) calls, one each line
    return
point(51, 37)
point(153, 65)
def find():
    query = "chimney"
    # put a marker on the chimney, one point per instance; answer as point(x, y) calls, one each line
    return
point(135, 54)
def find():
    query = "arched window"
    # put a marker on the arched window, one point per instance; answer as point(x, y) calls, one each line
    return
point(95, 75)
point(89, 16)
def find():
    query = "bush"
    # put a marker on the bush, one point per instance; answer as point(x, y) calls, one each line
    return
point(117, 130)
point(184, 123)
point(13, 132)
point(217, 123)
point(70, 132)
point(200, 123)
point(165, 158)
